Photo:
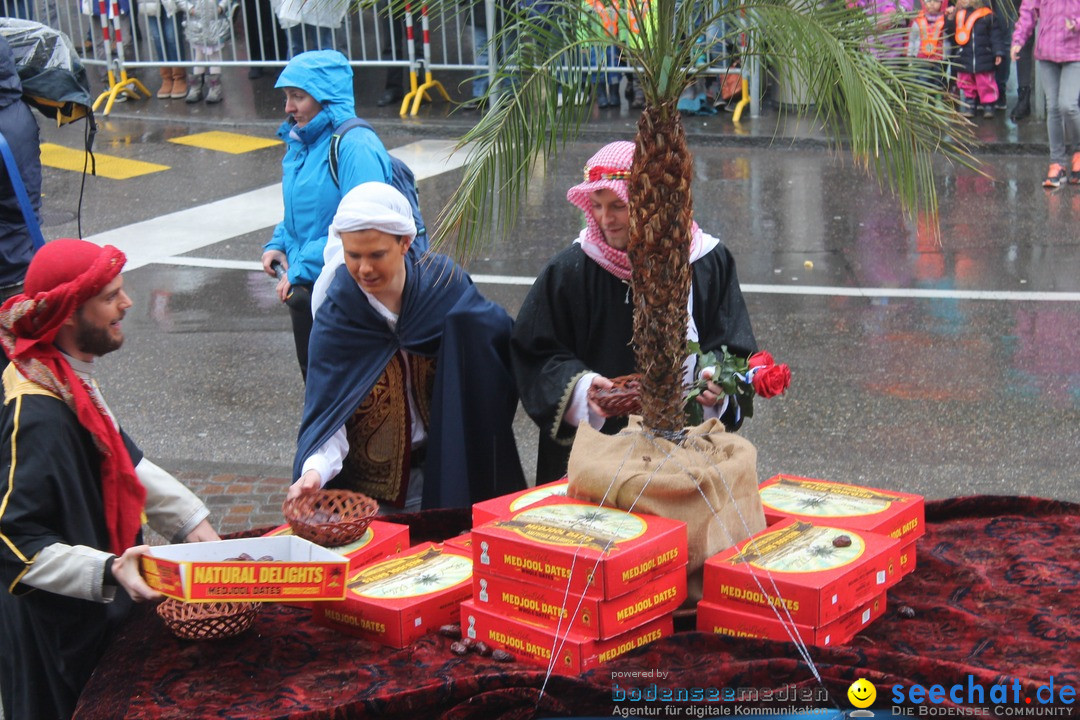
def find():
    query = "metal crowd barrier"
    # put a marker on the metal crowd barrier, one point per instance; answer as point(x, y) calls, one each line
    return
point(116, 37)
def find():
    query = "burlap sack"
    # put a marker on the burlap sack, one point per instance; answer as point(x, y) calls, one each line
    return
point(709, 482)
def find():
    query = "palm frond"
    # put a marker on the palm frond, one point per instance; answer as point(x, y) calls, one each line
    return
point(879, 107)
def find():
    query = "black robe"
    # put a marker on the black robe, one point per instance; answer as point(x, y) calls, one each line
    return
point(49, 643)
point(578, 318)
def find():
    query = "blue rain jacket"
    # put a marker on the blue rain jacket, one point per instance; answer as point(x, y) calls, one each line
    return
point(310, 194)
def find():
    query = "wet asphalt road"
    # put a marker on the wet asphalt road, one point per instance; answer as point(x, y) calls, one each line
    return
point(942, 369)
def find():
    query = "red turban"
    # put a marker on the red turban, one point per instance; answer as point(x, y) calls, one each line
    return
point(62, 276)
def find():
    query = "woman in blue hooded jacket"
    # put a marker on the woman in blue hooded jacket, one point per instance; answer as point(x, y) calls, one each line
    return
point(318, 88)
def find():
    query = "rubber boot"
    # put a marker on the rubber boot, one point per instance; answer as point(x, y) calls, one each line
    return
point(179, 87)
point(195, 89)
point(1023, 104)
point(165, 91)
point(214, 93)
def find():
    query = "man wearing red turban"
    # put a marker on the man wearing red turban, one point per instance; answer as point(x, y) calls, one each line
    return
point(74, 488)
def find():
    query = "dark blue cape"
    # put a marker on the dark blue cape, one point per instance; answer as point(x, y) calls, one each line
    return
point(471, 453)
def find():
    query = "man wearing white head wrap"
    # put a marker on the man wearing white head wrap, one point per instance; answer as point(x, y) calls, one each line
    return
point(409, 397)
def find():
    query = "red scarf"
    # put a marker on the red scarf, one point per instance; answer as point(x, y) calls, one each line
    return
point(28, 326)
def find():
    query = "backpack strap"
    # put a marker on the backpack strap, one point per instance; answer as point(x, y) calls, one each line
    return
point(335, 141)
point(23, 198)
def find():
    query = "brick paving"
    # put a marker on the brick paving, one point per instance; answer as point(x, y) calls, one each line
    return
point(239, 502)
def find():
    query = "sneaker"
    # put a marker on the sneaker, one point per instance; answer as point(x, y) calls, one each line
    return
point(1054, 176)
point(967, 110)
point(988, 111)
point(1074, 170)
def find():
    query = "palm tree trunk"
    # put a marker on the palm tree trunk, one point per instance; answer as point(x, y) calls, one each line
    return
point(661, 213)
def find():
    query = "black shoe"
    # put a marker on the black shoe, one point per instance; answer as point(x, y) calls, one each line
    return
point(255, 73)
point(389, 97)
point(1023, 104)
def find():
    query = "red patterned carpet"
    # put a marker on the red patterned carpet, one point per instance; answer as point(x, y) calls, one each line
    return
point(995, 595)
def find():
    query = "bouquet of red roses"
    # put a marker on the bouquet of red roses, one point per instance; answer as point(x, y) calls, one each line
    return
point(739, 378)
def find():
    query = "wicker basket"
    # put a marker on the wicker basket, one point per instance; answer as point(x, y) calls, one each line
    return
point(623, 398)
point(207, 621)
point(330, 518)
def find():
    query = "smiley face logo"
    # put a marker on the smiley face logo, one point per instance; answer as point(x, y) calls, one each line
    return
point(862, 693)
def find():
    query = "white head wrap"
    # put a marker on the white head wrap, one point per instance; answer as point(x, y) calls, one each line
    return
point(369, 206)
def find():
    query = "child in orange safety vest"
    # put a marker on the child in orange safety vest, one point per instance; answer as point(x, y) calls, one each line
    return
point(980, 47)
point(926, 40)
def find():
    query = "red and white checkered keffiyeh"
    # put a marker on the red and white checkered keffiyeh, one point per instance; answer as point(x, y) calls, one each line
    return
point(609, 169)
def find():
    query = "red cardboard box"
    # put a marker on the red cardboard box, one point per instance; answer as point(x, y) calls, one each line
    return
point(202, 572)
point(797, 565)
point(462, 541)
point(399, 599)
point(535, 643)
point(506, 505)
point(379, 540)
point(907, 558)
point(822, 502)
point(599, 551)
point(729, 620)
point(600, 619)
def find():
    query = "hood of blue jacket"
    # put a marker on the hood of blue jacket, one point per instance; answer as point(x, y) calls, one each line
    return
point(326, 76)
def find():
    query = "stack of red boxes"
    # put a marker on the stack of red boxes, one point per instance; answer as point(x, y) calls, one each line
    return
point(570, 585)
point(819, 572)
point(899, 515)
point(399, 599)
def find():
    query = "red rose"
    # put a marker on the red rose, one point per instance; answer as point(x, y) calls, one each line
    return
point(760, 359)
point(772, 381)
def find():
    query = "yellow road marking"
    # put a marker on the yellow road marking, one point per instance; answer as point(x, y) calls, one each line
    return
point(226, 142)
point(108, 166)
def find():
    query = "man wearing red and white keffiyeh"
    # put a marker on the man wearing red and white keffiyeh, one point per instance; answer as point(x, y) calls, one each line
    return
point(75, 488)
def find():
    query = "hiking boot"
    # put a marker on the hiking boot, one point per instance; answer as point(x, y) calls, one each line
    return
point(1054, 177)
point(1074, 170)
point(1023, 104)
point(215, 93)
point(195, 88)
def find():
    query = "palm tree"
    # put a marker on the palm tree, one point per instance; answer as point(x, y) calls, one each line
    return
point(892, 124)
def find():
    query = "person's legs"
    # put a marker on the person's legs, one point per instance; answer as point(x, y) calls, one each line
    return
point(300, 314)
point(214, 93)
point(1050, 75)
point(1024, 78)
point(1069, 107)
point(965, 83)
